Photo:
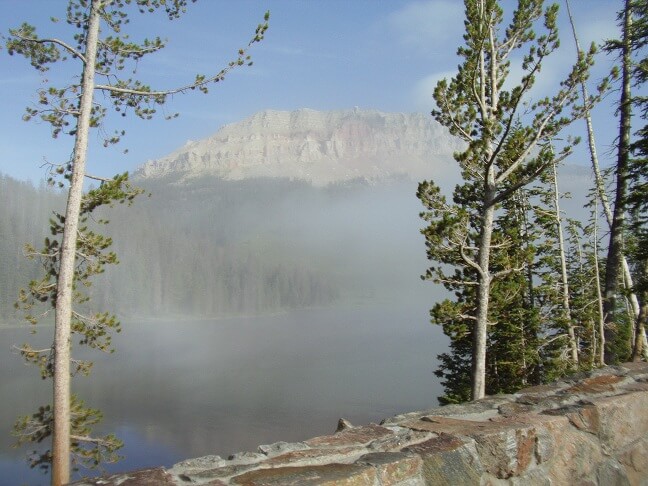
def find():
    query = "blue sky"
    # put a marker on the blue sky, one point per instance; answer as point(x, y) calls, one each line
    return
point(320, 54)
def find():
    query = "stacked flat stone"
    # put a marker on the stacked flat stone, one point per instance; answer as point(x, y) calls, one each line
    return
point(588, 429)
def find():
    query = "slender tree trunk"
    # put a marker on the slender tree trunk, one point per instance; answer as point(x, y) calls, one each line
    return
point(61, 410)
point(615, 248)
point(605, 203)
point(480, 333)
point(600, 188)
point(573, 346)
point(639, 348)
point(598, 179)
point(599, 293)
point(523, 209)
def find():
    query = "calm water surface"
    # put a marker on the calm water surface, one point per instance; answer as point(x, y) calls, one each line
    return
point(179, 389)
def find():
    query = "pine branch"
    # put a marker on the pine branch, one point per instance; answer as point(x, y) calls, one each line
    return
point(58, 42)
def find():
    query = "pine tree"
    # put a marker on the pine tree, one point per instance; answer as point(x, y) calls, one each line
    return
point(625, 269)
point(617, 346)
point(628, 280)
point(637, 200)
point(73, 109)
point(509, 144)
point(513, 359)
point(94, 330)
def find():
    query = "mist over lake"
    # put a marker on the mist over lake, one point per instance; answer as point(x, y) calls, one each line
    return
point(182, 383)
point(331, 272)
point(176, 389)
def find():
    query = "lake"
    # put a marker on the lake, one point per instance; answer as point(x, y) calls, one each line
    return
point(188, 388)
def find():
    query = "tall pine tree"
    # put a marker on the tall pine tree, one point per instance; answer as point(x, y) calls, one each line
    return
point(509, 144)
point(101, 49)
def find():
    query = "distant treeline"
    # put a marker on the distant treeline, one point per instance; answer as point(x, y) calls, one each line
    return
point(24, 214)
point(209, 247)
point(205, 248)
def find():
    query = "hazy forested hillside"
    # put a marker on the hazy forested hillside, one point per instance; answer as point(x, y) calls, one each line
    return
point(206, 249)
point(214, 247)
point(24, 214)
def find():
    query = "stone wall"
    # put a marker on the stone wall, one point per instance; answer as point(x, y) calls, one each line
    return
point(588, 429)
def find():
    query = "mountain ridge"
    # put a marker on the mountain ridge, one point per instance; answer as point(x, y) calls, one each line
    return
point(320, 147)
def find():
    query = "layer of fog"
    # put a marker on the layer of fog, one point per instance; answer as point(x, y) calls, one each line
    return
point(182, 388)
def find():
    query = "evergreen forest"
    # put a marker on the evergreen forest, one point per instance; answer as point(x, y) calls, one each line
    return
point(537, 292)
point(205, 249)
point(212, 248)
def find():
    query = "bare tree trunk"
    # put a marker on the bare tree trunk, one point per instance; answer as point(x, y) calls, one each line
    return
point(599, 294)
point(480, 334)
point(615, 247)
point(640, 347)
point(61, 409)
point(573, 346)
point(639, 350)
point(598, 179)
point(600, 187)
point(483, 296)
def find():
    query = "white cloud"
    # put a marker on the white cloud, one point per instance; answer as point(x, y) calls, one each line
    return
point(434, 25)
point(423, 90)
point(554, 69)
point(546, 82)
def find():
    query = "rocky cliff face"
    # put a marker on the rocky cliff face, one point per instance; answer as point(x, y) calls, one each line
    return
point(320, 147)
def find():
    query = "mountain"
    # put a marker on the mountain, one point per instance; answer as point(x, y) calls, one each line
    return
point(255, 226)
point(318, 147)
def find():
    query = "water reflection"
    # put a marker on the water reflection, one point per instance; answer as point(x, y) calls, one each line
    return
point(178, 389)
